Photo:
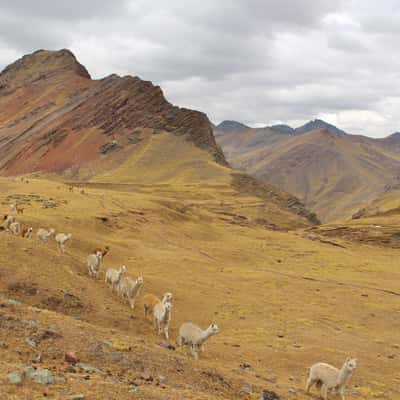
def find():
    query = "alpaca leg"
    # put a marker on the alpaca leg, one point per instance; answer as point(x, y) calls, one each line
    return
point(324, 392)
point(166, 333)
point(309, 384)
point(341, 392)
point(179, 341)
point(194, 352)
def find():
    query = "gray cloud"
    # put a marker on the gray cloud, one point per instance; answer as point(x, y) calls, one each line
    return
point(257, 61)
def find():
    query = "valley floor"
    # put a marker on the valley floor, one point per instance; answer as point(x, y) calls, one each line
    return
point(282, 300)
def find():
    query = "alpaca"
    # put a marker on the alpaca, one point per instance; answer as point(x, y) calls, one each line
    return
point(61, 239)
point(26, 232)
point(113, 276)
point(326, 377)
point(15, 228)
point(195, 337)
point(44, 235)
point(162, 318)
point(129, 289)
point(94, 263)
point(149, 302)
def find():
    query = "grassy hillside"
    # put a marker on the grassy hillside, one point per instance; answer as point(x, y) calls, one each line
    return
point(283, 300)
point(333, 175)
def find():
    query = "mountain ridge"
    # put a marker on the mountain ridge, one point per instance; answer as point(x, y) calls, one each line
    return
point(319, 167)
point(62, 101)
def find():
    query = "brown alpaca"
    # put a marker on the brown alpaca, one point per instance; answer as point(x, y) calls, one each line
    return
point(103, 251)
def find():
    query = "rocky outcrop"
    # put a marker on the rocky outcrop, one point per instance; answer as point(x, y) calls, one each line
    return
point(55, 118)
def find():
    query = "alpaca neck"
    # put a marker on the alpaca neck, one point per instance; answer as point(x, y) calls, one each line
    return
point(164, 299)
point(136, 288)
point(344, 375)
point(205, 335)
point(167, 315)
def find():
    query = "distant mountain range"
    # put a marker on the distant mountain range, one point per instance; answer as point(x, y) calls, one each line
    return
point(307, 127)
point(332, 172)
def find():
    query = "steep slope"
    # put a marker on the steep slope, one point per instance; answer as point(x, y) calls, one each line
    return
point(54, 118)
point(235, 142)
point(334, 175)
point(281, 300)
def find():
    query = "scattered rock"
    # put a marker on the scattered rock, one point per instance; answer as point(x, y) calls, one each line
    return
point(134, 139)
point(247, 388)
point(54, 327)
point(71, 357)
point(33, 323)
point(392, 356)
point(108, 147)
point(14, 378)
point(31, 342)
point(37, 358)
point(79, 396)
point(146, 376)
point(245, 366)
point(11, 302)
point(3, 345)
point(39, 375)
point(120, 346)
point(271, 379)
point(70, 369)
point(269, 395)
point(49, 204)
point(293, 391)
point(87, 368)
point(50, 333)
point(167, 345)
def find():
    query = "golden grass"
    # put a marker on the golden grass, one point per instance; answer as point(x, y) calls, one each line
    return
point(282, 301)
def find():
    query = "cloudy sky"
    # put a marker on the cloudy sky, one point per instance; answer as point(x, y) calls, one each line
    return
point(256, 61)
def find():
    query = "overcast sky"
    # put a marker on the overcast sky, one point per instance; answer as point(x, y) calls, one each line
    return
point(256, 61)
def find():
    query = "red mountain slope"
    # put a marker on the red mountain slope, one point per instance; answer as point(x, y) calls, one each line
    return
point(55, 118)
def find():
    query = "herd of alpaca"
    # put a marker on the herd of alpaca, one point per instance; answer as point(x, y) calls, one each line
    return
point(324, 376)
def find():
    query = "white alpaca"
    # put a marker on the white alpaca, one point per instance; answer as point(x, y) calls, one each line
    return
point(195, 337)
point(13, 207)
point(8, 220)
point(162, 318)
point(326, 377)
point(149, 302)
point(61, 239)
point(15, 228)
point(113, 276)
point(44, 235)
point(129, 289)
point(94, 263)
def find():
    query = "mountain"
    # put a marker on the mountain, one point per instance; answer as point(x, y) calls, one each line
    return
point(55, 119)
point(231, 125)
point(318, 124)
point(332, 173)
point(283, 128)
